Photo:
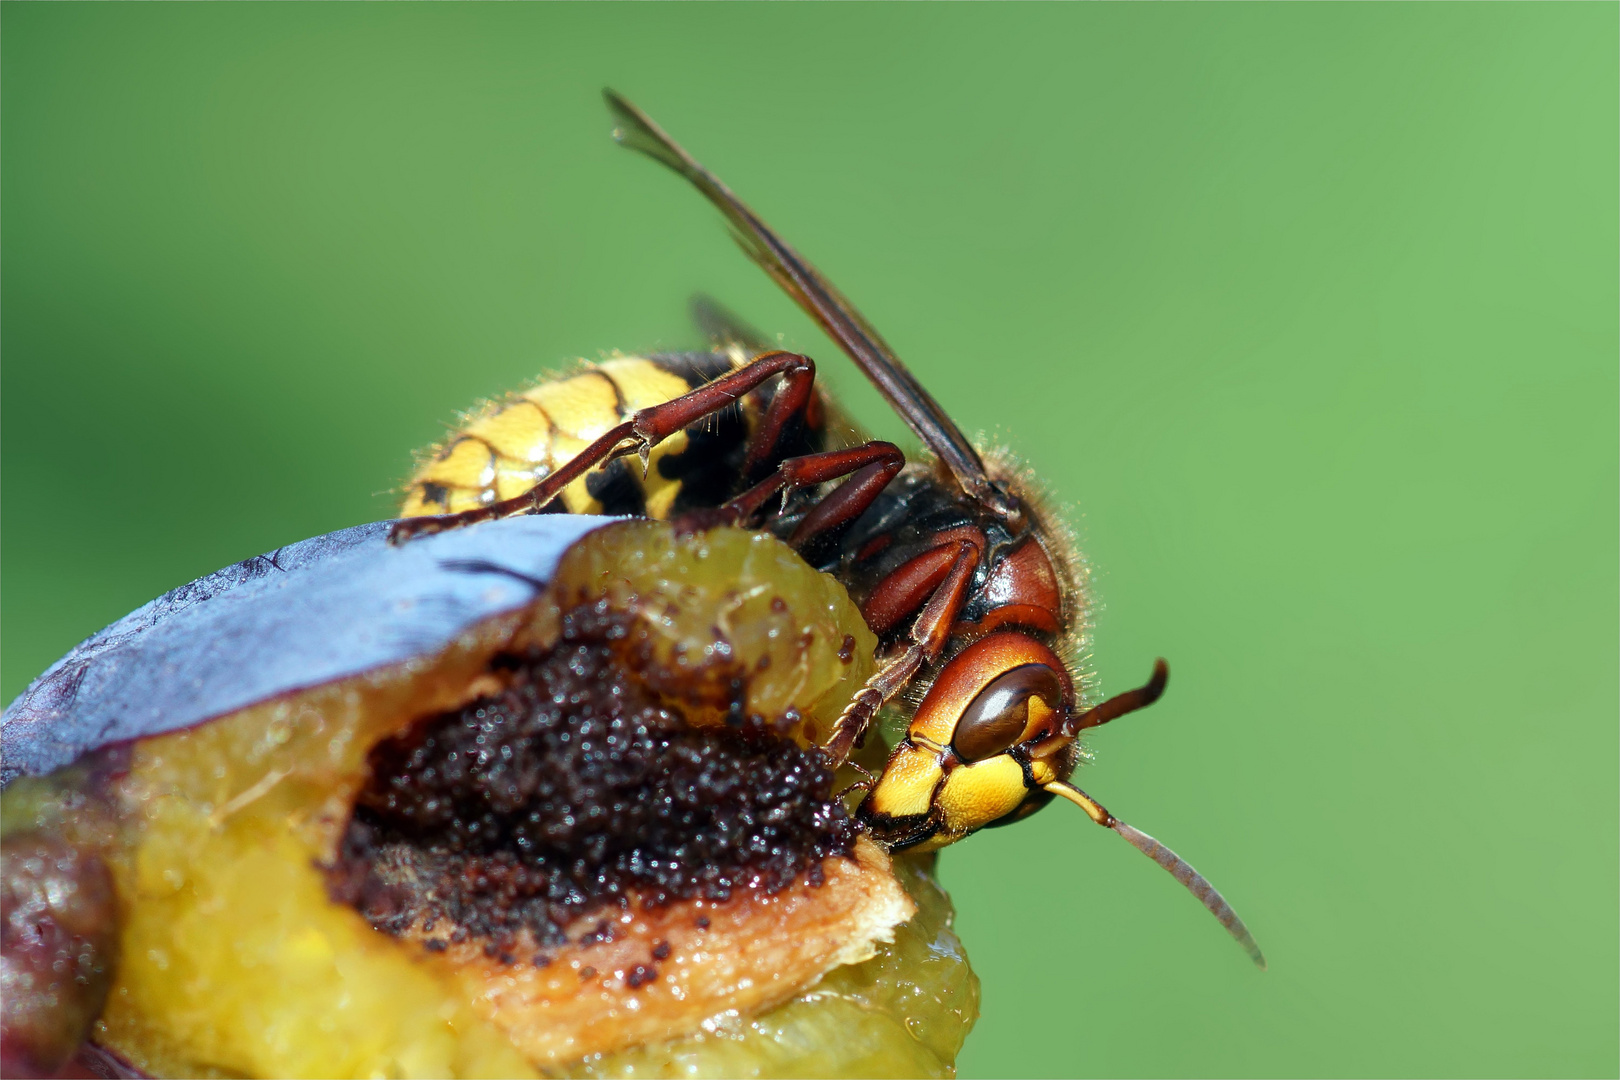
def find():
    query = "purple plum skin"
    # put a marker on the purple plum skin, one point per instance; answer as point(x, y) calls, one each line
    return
point(306, 614)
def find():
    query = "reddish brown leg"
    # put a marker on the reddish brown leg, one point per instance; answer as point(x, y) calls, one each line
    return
point(864, 784)
point(647, 429)
point(857, 716)
point(905, 589)
point(869, 467)
point(925, 642)
point(851, 498)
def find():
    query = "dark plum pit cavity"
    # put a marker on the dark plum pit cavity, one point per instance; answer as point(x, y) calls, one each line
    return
point(572, 790)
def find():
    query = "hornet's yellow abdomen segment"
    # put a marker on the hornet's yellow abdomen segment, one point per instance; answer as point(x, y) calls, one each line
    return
point(509, 445)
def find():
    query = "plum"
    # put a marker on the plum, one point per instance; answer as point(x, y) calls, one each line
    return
point(537, 795)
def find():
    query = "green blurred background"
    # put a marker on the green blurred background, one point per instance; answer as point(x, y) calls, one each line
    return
point(1308, 312)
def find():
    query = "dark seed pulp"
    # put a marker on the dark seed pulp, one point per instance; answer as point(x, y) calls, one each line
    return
point(574, 789)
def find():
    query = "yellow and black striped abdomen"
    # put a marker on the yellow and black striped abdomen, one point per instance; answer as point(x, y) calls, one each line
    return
point(509, 445)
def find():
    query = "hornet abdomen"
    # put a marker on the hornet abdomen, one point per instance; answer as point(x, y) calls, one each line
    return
point(507, 446)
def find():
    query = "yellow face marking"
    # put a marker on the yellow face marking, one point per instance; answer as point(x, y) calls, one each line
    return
point(584, 407)
point(907, 784)
point(1039, 713)
point(518, 431)
point(975, 795)
point(1042, 771)
point(937, 726)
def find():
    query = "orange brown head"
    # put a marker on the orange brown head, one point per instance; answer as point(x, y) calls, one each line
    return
point(993, 741)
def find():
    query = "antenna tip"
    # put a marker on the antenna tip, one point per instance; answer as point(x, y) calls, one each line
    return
point(1158, 680)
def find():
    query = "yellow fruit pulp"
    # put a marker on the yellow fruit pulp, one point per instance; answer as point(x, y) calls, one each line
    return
point(905, 1012)
point(729, 599)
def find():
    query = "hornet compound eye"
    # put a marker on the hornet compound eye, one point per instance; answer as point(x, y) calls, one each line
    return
point(1011, 708)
